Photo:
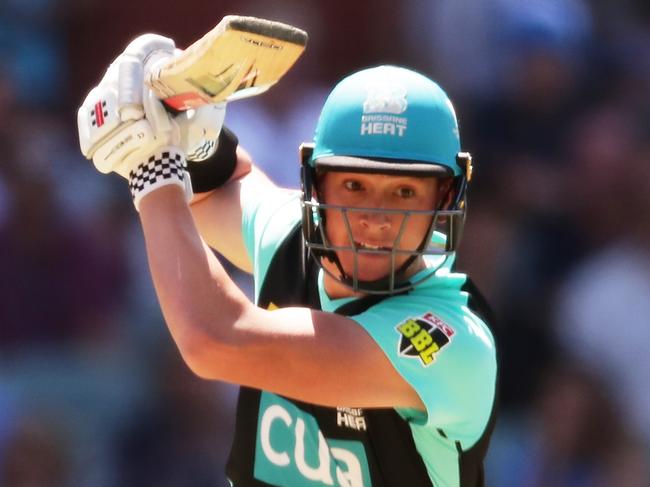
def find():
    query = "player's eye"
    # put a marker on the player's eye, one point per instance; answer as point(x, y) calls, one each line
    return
point(352, 185)
point(405, 192)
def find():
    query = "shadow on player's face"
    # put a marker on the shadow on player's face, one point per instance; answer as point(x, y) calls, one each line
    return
point(366, 227)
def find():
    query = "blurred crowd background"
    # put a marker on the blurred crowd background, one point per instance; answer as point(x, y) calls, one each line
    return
point(553, 98)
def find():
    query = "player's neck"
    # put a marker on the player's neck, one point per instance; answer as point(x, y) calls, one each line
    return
point(335, 289)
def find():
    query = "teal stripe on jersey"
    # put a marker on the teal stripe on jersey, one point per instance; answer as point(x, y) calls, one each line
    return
point(267, 220)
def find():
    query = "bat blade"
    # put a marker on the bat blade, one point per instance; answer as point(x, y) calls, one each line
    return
point(240, 57)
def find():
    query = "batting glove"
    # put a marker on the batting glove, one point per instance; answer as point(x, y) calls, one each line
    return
point(125, 129)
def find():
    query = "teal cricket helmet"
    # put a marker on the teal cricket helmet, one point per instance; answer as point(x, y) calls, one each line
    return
point(388, 120)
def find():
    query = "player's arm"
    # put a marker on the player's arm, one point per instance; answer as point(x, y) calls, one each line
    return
point(218, 213)
point(309, 355)
point(305, 354)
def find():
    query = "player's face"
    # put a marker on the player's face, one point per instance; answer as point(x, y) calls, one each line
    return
point(376, 229)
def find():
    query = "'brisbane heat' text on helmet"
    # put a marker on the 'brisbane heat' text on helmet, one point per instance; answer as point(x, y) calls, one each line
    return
point(387, 120)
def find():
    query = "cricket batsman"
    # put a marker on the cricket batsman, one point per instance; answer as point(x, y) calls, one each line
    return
point(366, 358)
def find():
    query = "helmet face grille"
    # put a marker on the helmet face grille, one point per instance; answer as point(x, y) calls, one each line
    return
point(445, 224)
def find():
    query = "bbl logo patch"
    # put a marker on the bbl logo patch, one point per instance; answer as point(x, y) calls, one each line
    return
point(423, 337)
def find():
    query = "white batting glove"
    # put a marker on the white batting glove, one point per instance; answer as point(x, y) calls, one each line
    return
point(113, 130)
point(125, 129)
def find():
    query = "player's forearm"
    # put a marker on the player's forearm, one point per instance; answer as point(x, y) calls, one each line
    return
point(218, 215)
point(198, 300)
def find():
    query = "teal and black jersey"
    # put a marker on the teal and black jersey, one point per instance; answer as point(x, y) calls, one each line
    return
point(434, 335)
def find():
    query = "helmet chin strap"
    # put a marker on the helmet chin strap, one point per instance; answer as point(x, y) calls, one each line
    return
point(397, 280)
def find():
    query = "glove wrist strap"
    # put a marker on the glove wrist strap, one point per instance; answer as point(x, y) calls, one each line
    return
point(164, 167)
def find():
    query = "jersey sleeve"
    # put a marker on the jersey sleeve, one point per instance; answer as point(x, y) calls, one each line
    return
point(267, 218)
point(445, 352)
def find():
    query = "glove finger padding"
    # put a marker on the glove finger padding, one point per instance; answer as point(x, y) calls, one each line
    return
point(125, 129)
point(164, 127)
point(149, 46)
point(135, 61)
point(113, 131)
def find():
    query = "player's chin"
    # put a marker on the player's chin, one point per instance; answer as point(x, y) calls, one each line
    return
point(370, 266)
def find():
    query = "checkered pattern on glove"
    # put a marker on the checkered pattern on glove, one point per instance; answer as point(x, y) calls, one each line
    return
point(166, 166)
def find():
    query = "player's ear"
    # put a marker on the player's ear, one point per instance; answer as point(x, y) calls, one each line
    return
point(446, 193)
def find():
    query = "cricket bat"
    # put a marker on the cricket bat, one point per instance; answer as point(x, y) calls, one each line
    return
point(240, 57)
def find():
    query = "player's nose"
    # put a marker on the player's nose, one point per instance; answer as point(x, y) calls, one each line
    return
point(375, 220)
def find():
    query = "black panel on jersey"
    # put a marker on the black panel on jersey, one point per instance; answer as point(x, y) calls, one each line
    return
point(286, 284)
point(478, 304)
point(471, 461)
point(240, 466)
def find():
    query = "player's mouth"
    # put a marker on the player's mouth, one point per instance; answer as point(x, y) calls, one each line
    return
point(369, 246)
